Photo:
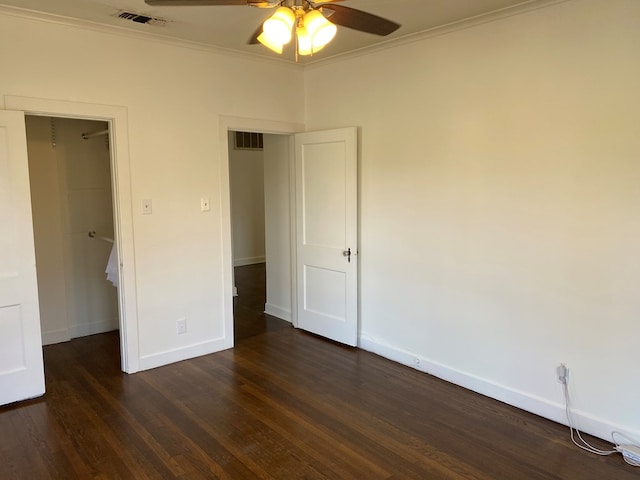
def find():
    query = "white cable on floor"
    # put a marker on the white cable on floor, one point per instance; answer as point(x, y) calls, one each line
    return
point(622, 447)
point(585, 445)
point(627, 450)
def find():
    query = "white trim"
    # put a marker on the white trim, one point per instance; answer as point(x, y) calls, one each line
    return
point(470, 22)
point(55, 336)
point(136, 34)
point(279, 312)
point(86, 329)
point(183, 353)
point(227, 123)
point(116, 116)
point(293, 229)
point(241, 262)
point(524, 7)
point(529, 402)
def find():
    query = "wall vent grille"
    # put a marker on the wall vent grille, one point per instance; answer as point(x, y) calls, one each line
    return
point(248, 141)
point(138, 18)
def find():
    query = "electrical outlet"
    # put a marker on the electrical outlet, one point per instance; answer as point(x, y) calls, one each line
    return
point(181, 326)
point(562, 372)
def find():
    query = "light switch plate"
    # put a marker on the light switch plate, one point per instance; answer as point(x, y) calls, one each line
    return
point(205, 206)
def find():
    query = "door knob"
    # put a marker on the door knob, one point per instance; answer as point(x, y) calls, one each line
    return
point(347, 253)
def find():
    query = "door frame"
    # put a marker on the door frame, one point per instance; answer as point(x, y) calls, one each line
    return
point(116, 117)
point(231, 123)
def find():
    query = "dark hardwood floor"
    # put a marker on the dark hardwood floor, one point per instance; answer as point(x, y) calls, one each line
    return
point(282, 404)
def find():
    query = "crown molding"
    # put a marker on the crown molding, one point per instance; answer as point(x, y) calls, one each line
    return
point(519, 9)
point(147, 36)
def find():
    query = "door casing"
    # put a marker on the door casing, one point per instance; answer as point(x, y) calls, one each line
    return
point(231, 123)
point(116, 117)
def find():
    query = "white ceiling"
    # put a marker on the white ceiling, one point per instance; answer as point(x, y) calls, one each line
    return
point(230, 27)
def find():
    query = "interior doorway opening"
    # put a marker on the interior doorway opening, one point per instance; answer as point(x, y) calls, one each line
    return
point(259, 187)
point(321, 227)
point(72, 199)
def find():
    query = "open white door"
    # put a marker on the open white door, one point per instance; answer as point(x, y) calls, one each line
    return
point(21, 366)
point(327, 234)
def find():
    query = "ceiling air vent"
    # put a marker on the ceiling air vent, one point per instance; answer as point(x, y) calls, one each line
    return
point(136, 17)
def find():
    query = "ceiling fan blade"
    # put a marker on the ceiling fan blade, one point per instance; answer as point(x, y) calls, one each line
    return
point(185, 3)
point(359, 20)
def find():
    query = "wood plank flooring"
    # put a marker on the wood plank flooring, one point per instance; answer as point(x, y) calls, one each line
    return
point(282, 404)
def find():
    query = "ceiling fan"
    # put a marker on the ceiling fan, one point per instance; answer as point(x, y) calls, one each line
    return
point(314, 23)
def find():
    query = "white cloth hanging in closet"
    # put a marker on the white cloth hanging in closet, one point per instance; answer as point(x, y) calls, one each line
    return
point(112, 266)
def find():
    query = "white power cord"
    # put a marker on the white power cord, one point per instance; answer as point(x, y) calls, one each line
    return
point(630, 451)
point(584, 445)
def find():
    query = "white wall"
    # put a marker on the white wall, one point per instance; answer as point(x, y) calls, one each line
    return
point(246, 184)
point(500, 207)
point(277, 228)
point(174, 97)
point(92, 301)
point(70, 196)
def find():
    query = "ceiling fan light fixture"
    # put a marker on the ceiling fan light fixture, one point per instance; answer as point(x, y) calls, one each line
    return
point(305, 46)
point(311, 29)
point(265, 40)
point(319, 28)
point(277, 28)
point(304, 41)
point(306, 19)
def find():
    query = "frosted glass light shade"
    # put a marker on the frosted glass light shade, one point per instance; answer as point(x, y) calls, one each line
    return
point(313, 31)
point(277, 28)
point(304, 41)
point(319, 28)
point(264, 40)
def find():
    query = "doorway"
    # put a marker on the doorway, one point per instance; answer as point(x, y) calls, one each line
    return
point(259, 184)
point(322, 289)
point(73, 223)
point(117, 119)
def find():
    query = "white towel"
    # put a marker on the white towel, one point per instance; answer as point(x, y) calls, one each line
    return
point(112, 266)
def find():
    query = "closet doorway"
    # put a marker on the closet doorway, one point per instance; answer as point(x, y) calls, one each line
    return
point(73, 223)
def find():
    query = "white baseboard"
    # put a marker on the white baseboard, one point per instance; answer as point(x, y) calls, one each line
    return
point(526, 401)
point(241, 262)
point(84, 330)
point(55, 336)
point(276, 311)
point(183, 353)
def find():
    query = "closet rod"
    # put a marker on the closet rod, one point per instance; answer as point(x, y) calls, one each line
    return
point(87, 136)
point(92, 234)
